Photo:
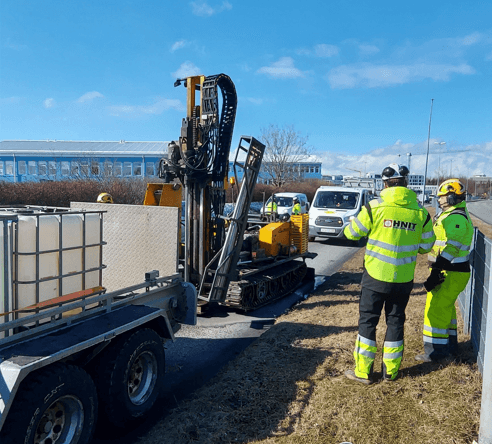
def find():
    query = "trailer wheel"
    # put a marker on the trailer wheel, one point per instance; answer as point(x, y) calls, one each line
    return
point(56, 405)
point(129, 375)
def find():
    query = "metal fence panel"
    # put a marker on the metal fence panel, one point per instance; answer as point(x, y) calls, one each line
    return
point(475, 304)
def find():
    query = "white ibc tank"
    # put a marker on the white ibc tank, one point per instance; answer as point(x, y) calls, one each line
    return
point(5, 277)
point(71, 260)
point(48, 262)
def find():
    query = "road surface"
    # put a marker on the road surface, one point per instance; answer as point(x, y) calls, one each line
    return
point(481, 209)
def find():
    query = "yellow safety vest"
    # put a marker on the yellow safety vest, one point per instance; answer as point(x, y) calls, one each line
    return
point(272, 206)
point(296, 209)
point(398, 228)
point(454, 235)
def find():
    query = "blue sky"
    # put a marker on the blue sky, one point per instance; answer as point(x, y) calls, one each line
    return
point(356, 77)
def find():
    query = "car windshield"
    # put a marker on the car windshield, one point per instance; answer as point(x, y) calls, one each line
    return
point(282, 201)
point(336, 199)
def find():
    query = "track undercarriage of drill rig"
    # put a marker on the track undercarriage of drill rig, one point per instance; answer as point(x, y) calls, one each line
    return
point(226, 270)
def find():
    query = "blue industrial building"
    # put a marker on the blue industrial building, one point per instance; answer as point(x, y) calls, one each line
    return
point(307, 167)
point(32, 160)
point(42, 160)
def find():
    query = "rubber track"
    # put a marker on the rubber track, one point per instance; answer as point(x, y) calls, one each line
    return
point(285, 278)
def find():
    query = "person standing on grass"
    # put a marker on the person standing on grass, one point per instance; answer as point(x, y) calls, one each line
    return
point(397, 228)
point(449, 263)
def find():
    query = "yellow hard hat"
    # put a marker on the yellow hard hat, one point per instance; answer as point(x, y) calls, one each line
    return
point(451, 186)
point(105, 198)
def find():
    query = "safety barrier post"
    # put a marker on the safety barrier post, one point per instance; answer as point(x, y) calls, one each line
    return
point(485, 434)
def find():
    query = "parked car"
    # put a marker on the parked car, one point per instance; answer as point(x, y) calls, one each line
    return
point(333, 208)
point(285, 202)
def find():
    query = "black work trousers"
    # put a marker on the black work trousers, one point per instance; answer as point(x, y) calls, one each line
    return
point(371, 305)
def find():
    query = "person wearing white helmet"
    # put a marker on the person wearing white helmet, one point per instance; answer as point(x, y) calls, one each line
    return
point(449, 263)
point(398, 228)
point(296, 209)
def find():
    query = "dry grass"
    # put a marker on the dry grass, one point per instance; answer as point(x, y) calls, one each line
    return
point(288, 387)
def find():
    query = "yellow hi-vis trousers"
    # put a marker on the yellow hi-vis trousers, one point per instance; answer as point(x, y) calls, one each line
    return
point(440, 334)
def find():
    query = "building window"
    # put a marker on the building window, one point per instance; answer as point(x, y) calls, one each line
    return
point(42, 168)
point(31, 167)
point(1, 168)
point(117, 169)
point(137, 168)
point(95, 168)
point(149, 168)
point(22, 167)
point(52, 168)
point(84, 168)
point(108, 168)
point(65, 168)
point(75, 169)
point(317, 169)
point(127, 169)
point(9, 168)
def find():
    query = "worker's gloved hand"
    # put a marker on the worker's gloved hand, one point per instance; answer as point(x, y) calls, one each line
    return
point(435, 278)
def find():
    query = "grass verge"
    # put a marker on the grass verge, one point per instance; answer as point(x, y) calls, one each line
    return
point(288, 386)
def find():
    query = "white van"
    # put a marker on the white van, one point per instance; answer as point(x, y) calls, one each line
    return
point(333, 208)
point(285, 202)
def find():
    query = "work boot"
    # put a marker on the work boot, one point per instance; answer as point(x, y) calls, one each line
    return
point(390, 378)
point(426, 358)
point(350, 374)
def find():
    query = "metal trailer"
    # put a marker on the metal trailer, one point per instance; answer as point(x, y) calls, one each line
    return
point(69, 358)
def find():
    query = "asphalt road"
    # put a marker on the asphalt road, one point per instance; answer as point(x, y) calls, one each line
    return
point(481, 209)
point(221, 334)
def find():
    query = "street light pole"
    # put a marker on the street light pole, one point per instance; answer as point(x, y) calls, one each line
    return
point(427, 156)
point(439, 161)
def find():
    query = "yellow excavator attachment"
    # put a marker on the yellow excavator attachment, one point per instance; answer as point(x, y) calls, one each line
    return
point(163, 194)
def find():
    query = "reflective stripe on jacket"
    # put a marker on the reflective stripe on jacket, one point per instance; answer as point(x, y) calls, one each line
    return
point(398, 228)
point(454, 235)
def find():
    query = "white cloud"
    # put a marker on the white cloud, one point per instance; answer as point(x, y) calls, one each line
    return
point(467, 160)
point(186, 69)
point(367, 50)
point(284, 69)
point(49, 103)
point(203, 9)
point(10, 100)
point(380, 76)
point(89, 97)
point(254, 100)
point(178, 45)
point(14, 46)
point(321, 50)
point(158, 107)
point(472, 39)
point(325, 50)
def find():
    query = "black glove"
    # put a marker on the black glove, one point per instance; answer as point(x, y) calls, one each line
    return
point(435, 278)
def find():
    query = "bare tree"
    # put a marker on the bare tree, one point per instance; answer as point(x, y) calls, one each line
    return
point(285, 150)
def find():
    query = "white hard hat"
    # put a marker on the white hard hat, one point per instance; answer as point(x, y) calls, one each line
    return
point(395, 171)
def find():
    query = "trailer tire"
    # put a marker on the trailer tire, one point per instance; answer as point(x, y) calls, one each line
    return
point(57, 404)
point(129, 375)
